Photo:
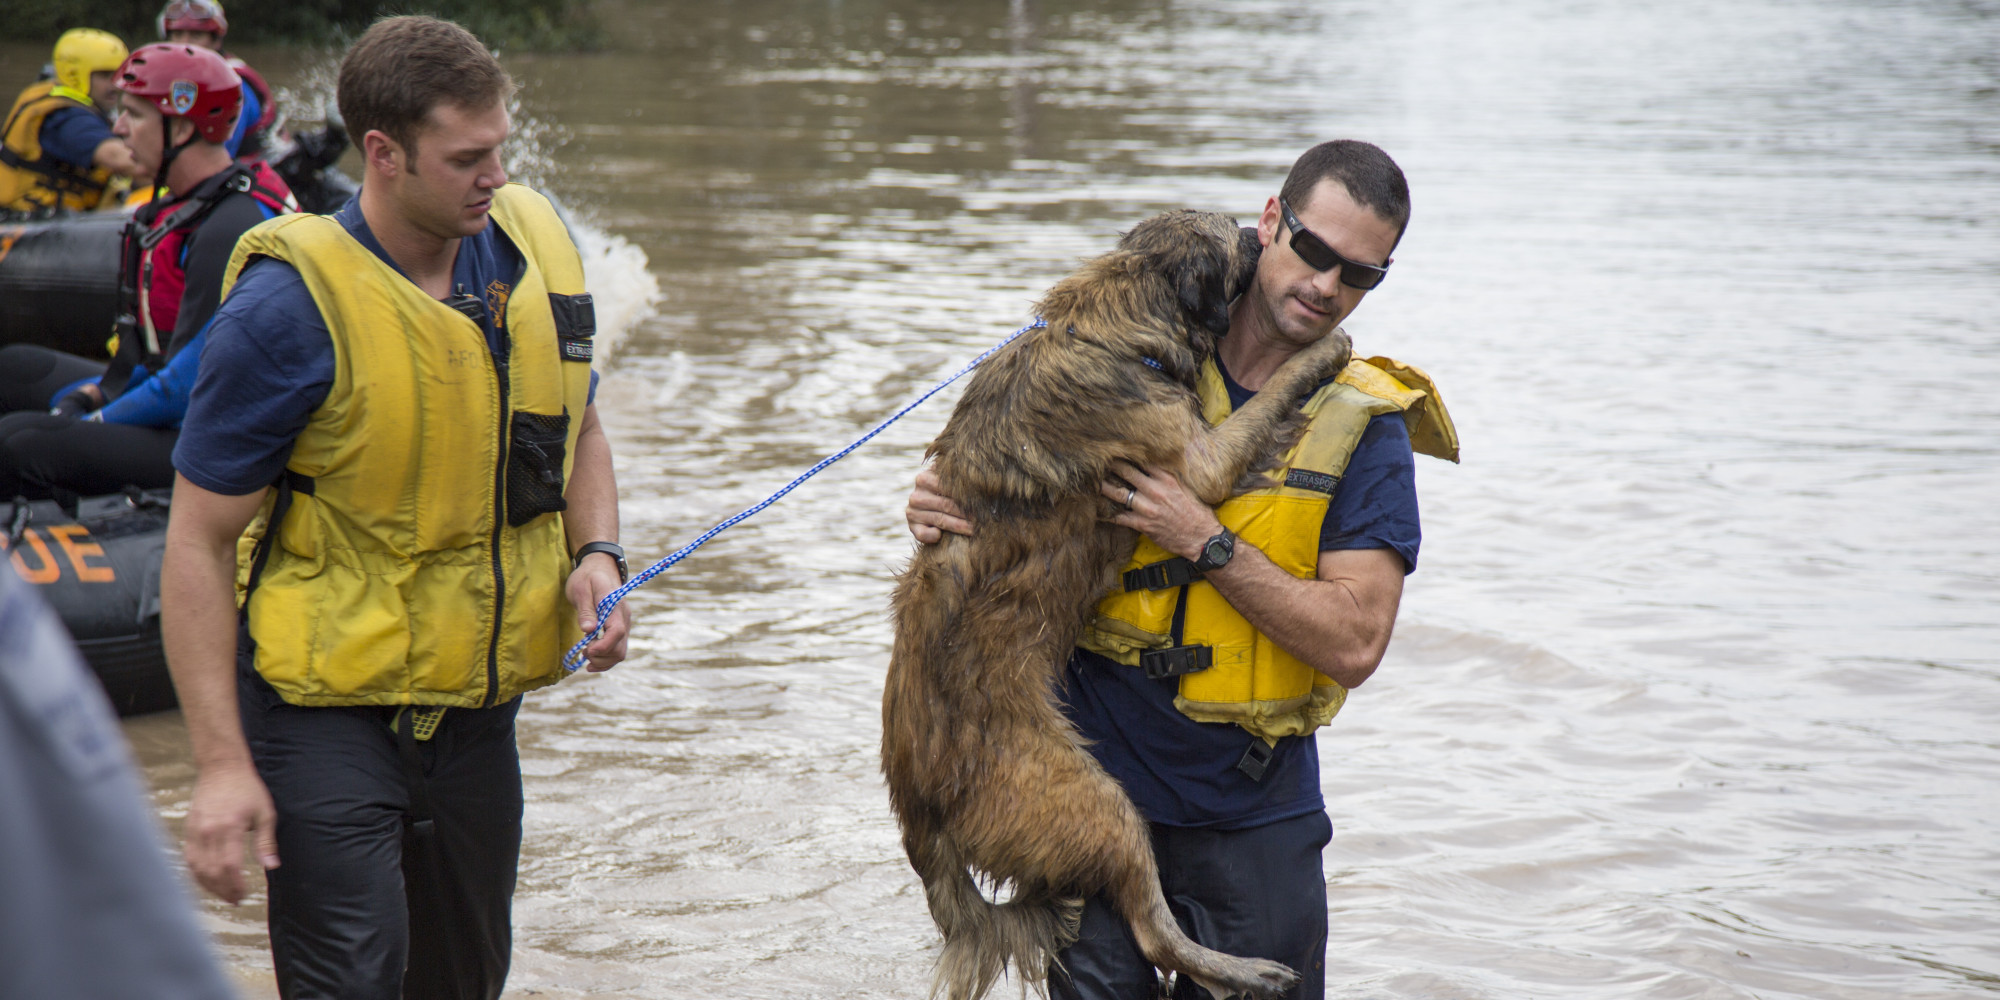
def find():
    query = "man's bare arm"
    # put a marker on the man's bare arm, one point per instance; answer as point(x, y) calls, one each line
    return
point(198, 626)
point(592, 516)
point(1338, 623)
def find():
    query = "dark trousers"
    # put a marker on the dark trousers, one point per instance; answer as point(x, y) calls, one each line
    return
point(1256, 893)
point(44, 457)
point(30, 376)
point(367, 903)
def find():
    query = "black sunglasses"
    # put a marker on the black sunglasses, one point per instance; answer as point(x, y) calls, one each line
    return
point(1320, 257)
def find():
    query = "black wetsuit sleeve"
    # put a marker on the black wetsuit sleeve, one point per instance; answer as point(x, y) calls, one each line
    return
point(207, 257)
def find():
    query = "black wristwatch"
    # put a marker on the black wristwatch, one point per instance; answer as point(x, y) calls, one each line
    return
point(608, 548)
point(1216, 551)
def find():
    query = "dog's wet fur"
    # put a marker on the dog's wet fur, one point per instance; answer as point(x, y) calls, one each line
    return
point(991, 784)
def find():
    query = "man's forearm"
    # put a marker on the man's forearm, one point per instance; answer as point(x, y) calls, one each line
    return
point(591, 513)
point(198, 626)
point(1337, 628)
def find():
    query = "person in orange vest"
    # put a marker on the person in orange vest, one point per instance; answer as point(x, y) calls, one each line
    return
point(56, 149)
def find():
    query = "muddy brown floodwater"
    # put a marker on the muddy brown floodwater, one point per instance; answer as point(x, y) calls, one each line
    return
point(1693, 694)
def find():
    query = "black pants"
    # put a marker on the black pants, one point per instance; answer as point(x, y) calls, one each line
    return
point(364, 904)
point(30, 375)
point(44, 456)
point(1256, 893)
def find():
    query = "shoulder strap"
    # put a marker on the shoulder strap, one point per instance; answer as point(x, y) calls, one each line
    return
point(1431, 429)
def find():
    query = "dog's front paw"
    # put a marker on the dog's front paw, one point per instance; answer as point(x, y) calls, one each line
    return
point(1329, 354)
point(1326, 357)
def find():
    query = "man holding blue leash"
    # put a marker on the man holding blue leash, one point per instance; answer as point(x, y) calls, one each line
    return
point(396, 400)
point(1239, 629)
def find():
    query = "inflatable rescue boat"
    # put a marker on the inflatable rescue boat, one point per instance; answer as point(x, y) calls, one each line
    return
point(100, 570)
point(59, 273)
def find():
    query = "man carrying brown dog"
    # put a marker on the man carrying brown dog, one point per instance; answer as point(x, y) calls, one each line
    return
point(1240, 628)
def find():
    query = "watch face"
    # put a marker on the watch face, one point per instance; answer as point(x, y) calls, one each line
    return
point(1215, 551)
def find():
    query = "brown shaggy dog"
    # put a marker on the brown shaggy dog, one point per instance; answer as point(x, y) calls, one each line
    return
point(990, 782)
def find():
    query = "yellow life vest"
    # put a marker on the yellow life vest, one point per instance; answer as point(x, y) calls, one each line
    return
point(1250, 680)
point(30, 180)
point(418, 560)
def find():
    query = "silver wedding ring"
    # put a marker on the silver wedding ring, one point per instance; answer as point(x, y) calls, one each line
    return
point(1130, 492)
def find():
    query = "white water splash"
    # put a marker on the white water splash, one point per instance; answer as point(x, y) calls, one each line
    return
point(625, 290)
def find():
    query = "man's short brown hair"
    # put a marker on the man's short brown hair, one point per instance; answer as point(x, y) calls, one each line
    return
point(1371, 178)
point(402, 67)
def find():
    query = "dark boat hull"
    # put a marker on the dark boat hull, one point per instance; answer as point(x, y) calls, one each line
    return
point(100, 570)
point(59, 282)
point(59, 274)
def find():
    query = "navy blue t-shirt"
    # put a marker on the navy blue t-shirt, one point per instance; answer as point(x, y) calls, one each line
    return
point(1180, 772)
point(72, 135)
point(268, 361)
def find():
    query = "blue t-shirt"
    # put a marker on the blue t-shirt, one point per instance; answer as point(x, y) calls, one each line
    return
point(268, 362)
point(73, 134)
point(1180, 772)
point(252, 110)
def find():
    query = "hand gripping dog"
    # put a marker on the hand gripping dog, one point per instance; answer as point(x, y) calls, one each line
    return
point(988, 780)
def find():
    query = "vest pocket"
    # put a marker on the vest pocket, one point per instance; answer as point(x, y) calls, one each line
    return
point(535, 466)
point(576, 324)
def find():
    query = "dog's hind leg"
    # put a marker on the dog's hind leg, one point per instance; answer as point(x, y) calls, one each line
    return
point(981, 938)
point(1134, 888)
point(1218, 458)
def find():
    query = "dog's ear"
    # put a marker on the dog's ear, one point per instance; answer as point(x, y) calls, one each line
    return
point(1207, 276)
point(1248, 250)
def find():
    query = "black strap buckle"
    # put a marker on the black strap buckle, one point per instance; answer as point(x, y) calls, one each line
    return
point(1162, 575)
point(467, 303)
point(1257, 759)
point(1174, 662)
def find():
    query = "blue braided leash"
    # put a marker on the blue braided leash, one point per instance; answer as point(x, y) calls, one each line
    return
point(575, 658)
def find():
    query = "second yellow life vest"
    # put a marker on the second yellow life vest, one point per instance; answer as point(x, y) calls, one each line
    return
point(29, 179)
point(1252, 681)
point(420, 559)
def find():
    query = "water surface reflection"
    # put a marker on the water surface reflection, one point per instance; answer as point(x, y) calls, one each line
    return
point(1692, 695)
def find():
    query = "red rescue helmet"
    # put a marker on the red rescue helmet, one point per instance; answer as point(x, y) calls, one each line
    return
point(186, 81)
point(193, 15)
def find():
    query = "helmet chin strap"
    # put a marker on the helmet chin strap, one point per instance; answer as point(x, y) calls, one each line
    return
point(168, 152)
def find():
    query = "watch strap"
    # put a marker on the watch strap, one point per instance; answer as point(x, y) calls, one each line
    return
point(612, 549)
point(1228, 540)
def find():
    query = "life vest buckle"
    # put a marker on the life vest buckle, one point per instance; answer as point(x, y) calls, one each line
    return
point(1257, 760)
point(1174, 662)
point(1163, 575)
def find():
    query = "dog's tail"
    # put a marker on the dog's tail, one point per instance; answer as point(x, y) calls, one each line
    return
point(981, 937)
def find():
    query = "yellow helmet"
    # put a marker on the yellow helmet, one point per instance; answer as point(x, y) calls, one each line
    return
point(83, 51)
